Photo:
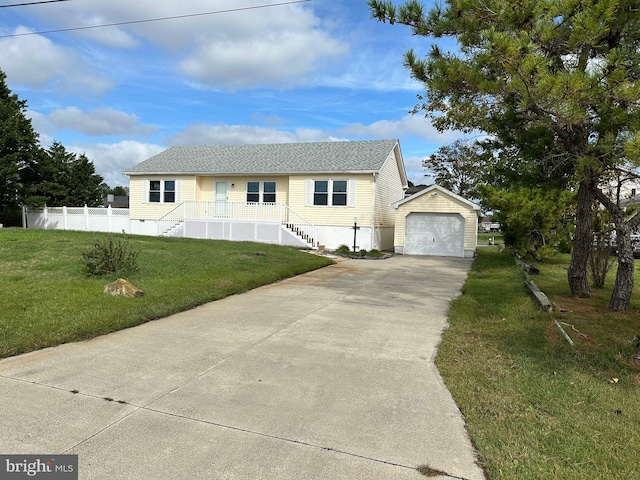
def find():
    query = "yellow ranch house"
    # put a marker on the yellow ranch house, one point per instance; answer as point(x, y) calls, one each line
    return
point(299, 194)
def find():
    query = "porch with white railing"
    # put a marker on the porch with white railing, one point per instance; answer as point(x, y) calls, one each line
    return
point(251, 221)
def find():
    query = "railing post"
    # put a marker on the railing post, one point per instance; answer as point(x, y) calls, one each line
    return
point(184, 219)
point(281, 221)
point(86, 217)
point(64, 217)
point(109, 218)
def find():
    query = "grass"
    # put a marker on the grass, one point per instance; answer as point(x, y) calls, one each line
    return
point(535, 408)
point(48, 299)
point(483, 237)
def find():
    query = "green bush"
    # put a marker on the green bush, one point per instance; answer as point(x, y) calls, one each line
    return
point(343, 250)
point(374, 253)
point(111, 255)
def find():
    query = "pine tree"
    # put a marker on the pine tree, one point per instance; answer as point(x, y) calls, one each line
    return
point(46, 180)
point(554, 80)
point(85, 185)
point(18, 149)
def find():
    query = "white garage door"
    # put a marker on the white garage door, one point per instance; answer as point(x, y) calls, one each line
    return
point(440, 234)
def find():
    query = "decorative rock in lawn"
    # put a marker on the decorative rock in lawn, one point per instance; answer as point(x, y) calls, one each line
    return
point(123, 288)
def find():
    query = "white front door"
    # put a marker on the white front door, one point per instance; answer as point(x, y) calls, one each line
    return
point(222, 197)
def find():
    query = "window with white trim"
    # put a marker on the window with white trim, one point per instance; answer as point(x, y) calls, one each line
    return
point(332, 193)
point(261, 192)
point(169, 191)
point(321, 192)
point(162, 191)
point(155, 191)
point(339, 195)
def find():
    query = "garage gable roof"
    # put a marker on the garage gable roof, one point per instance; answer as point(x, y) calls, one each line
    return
point(434, 189)
point(271, 159)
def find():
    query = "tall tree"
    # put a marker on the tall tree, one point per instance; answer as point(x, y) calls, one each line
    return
point(45, 179)
point(18, 146)
point(119, 191)
point(459, 167)
point(529, 200)
point(553, 79)
point(535, 221)
point(85, 185)
point(58, 177)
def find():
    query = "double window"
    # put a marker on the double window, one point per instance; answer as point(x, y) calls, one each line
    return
point(162, 191)
point(330, 193)
point(261, 192)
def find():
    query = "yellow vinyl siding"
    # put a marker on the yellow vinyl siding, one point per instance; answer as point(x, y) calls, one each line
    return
point(439, 203)
point(141, 208)
point(290, 190)
point(238, 187)
point(389, 189)
point(205, 189)
point(329, 215)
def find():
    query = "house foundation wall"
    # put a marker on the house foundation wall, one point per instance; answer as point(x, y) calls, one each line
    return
point(262, 232)
point(383, 238)
point(333, 237)
point(144, 227)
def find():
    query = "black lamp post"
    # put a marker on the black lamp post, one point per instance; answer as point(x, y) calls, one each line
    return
point(355, 230)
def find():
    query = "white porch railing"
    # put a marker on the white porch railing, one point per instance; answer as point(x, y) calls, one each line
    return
point(300, 225)
point(239, 212)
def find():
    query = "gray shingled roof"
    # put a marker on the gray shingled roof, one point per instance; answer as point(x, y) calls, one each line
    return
point(281, 158)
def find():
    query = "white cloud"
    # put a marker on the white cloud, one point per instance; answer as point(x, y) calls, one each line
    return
point(35, 61)
point(248, 47)
point(415, 172)
point(314, 135)
point(111, 159)
point(39, 122)
point(363, 71)
point(247, 134)
point(276, 59)
point(414, 125)
point(104, 121)
point(230, 134)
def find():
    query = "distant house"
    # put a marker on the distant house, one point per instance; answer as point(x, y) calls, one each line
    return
point(116, 201)
point(413, 190)
point(300, 194)
point(488, 225)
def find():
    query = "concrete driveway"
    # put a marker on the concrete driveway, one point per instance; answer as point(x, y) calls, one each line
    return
point(328, 375)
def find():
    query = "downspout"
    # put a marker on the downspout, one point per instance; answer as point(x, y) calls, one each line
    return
point(373, 213)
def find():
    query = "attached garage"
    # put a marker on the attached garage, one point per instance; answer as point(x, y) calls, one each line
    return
point(436, 222)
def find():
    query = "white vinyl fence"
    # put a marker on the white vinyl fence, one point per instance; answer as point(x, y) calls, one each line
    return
point(90, 219)
point(272, 223)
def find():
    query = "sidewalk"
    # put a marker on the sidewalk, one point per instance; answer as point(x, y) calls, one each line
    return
point(328, 375)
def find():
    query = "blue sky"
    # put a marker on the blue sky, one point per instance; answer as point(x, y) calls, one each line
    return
point(311, 71)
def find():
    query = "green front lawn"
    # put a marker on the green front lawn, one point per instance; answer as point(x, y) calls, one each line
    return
point(536, 408)
point(483, 237)
point(48, 299)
